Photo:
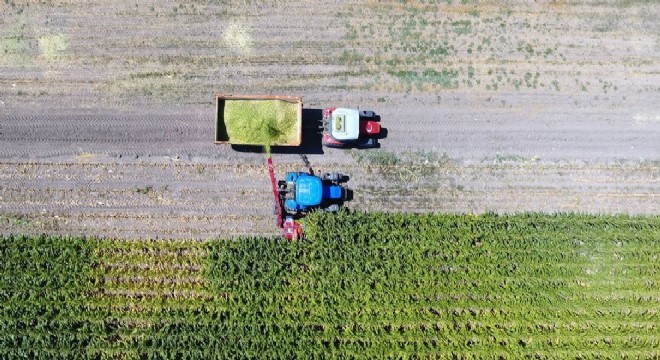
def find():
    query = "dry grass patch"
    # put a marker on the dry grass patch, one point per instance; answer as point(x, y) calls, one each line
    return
point(52, 45)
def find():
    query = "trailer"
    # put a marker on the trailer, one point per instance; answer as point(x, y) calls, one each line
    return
point(262, 120)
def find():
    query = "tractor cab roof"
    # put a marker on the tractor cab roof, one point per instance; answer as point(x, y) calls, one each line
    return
point(309, 190)
point(345, 124)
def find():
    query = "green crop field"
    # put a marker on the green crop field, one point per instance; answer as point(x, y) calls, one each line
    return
point(362, 285)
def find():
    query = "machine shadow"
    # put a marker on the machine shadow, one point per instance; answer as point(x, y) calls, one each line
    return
point(312, 136)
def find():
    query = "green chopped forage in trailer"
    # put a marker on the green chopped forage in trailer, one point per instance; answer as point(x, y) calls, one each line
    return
point(254, 121)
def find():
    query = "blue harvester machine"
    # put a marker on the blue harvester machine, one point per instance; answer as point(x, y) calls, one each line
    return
point(302, 192)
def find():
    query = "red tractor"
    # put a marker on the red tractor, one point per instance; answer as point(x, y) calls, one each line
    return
point(344, 128)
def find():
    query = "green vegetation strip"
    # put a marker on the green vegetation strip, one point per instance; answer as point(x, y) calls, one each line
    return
point(261, 122)
point(363, 285)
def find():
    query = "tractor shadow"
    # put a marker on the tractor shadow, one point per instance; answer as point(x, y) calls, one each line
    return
point(312, 137)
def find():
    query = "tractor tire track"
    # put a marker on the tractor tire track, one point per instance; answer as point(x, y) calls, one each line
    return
point(51, 136)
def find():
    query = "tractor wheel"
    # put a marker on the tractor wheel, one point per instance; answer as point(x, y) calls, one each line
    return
point(335, 145)
point(348, 195)
point(327, 141)
point(367, 143)
point(329, 177)
point(335, 177)
point(368, 114)
point(332, 208)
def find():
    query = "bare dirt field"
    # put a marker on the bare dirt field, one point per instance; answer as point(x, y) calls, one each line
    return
point(106, 113)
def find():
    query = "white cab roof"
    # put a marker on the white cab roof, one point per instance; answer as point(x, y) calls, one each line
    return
point(345, 124)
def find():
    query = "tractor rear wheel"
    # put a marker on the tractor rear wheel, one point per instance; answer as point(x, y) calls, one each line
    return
point(348, 194)
point(332, 208)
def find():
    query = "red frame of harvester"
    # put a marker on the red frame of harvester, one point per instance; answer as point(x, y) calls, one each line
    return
point(292, 228)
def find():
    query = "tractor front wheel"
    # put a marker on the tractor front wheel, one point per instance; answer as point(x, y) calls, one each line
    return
point(329, 177)
point(335, 177)
point(367, 114)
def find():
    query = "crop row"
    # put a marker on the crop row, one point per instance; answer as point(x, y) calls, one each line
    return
point(362, 285)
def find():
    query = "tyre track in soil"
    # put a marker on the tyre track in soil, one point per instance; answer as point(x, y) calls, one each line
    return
point(45, 138)
point(564, 135)
point(48, 136)
point(472, 133)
